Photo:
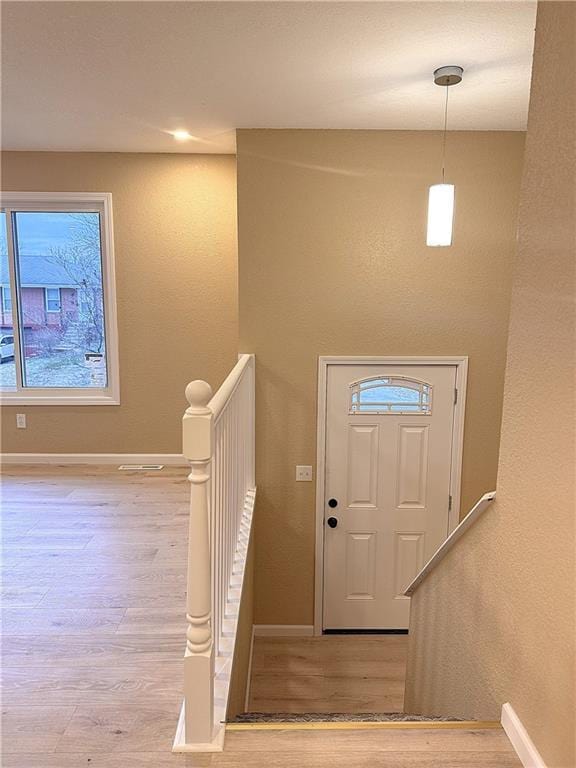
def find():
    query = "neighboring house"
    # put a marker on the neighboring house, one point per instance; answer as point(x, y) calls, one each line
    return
point(50, 299)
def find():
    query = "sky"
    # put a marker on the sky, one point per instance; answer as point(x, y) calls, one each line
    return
point(39, 232)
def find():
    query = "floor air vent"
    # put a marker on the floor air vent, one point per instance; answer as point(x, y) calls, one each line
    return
point(141, 467)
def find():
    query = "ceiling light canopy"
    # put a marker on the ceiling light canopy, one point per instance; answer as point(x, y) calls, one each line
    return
point(448, 75)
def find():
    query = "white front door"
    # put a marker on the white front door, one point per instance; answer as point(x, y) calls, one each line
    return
point(387, 486)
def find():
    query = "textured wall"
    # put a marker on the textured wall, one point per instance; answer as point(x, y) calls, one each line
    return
point(495, 621)
point(333, 261)
point(176, 282)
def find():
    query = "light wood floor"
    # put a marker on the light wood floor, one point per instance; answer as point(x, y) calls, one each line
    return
point(93, 604)
point(334, 673)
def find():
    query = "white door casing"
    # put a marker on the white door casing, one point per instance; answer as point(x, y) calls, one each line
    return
point(392, 467)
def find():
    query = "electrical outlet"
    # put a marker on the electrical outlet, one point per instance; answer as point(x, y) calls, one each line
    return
point(21, 420)
point(303, 473)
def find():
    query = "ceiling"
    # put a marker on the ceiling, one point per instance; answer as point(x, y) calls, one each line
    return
point(118, 76)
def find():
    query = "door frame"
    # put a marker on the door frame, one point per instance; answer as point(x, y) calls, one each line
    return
point(324, 361)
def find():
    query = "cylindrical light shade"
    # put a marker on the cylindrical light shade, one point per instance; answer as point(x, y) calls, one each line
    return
point(440, 214)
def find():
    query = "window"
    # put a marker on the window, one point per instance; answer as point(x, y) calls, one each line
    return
point(6, 300)
point(56, 253)
point(52, 299)
point(393, 395)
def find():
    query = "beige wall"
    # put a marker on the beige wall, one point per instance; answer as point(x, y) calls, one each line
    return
point(333, 261)
point(176, 274)
point(495, 621)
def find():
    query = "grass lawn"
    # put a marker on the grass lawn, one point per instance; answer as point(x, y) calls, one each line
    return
point(56, 369)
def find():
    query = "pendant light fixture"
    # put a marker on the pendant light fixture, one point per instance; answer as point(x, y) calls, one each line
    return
point(441, 196)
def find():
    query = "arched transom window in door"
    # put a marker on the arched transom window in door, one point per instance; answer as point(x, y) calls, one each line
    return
point(390, 395)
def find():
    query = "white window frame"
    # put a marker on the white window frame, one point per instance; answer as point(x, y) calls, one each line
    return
point(47, 300)
point(385, 409)
point(97, 202)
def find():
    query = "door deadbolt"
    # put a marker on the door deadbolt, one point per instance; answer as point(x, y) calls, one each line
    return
point(332, 503)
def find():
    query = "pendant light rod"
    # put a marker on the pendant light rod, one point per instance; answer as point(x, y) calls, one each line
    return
point(447, 76)
point(444, 136)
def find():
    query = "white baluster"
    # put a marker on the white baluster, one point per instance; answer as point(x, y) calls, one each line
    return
point(217, 501)
point(214, 539)
point(221, 528)
point(199, 657)
point(229, 495)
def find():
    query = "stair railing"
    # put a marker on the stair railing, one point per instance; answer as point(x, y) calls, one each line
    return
point(218, 442)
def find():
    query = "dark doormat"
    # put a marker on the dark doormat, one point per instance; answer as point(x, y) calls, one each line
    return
point(329, 717)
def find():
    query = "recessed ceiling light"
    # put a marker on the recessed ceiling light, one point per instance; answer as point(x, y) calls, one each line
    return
point(181, 135)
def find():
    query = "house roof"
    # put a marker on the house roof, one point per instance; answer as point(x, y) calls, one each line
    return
point(37, 270)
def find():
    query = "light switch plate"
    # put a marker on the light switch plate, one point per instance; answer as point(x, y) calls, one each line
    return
point(21, 420)
point(303, 473)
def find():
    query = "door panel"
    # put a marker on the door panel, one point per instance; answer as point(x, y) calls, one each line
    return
point(412, 467)
point(362, 466)
point(361, 566)
point(408, 560)
point(388, 459)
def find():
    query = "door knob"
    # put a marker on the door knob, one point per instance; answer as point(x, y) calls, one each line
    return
point(332, 522)
point(332, 503)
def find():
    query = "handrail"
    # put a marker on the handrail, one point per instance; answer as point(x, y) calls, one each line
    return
point(228, 386)
point(477, 510)
point(218, 442)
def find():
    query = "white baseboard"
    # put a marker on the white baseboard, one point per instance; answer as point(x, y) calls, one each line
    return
point(283, 630)
point(180, 745)
point(249, 676)
point(519, 738)
point(170, 459)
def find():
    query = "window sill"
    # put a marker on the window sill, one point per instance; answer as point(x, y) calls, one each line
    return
point(19, 398)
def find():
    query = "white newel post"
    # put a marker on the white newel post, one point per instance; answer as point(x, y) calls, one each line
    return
point(199, 657)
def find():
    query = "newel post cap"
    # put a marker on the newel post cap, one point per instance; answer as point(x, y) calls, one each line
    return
point(198, 394)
